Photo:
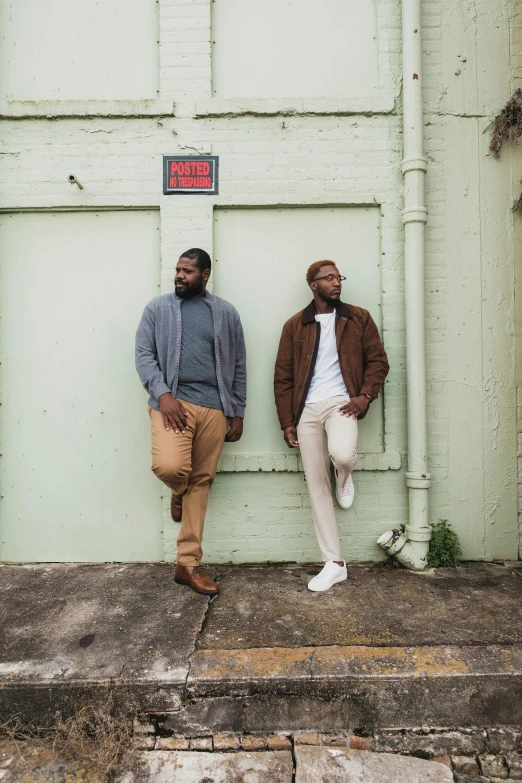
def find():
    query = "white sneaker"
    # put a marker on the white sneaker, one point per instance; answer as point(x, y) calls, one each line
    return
point(329, 576)
point(346, 494)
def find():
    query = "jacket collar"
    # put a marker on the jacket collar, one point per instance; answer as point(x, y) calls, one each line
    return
point(308, 315)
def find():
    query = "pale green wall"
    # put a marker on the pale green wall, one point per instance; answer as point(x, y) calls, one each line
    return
point(74, 474)
point(473, 244)
point(267, 516)
point(277, 242)
point(58, 50)
point(472, 253)
point(344, 152)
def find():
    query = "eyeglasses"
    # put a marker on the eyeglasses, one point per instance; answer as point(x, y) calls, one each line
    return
point(339, 278)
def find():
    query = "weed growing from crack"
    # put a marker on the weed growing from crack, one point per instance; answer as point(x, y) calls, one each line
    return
point(444, 548)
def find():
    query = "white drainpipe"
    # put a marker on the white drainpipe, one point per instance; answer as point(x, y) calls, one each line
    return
point(411, 548)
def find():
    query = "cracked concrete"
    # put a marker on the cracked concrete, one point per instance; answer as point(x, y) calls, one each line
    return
point(266, 655)
point(376, 606)
point(76, 632)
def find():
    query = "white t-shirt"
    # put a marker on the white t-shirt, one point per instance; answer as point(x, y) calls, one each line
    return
point(327, 380)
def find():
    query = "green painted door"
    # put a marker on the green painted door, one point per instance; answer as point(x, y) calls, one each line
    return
point(261, 258)
point(75, 476)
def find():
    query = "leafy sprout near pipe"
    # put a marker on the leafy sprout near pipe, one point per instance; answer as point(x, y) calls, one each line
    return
point(444, 548)
point(508, 125)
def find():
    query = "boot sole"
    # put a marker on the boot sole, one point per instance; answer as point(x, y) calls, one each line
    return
point(201, 592)
point(178, 511)
point(178, 517)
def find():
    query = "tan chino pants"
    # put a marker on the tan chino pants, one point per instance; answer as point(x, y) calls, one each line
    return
point(325, 435)
point(187, 464)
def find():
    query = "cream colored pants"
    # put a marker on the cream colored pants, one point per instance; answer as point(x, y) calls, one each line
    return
point(187, 464)
point(325, 435)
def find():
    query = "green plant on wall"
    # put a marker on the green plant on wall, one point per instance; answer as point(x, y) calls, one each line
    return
point(508, 125)
point(444, 546)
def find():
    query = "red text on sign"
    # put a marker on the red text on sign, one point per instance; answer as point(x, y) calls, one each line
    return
point(190, 167)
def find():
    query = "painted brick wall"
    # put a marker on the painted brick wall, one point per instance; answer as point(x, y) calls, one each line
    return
point(470, 273)
point(266, 515)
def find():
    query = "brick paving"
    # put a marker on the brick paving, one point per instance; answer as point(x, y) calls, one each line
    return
point(475, 768)
point(466, 766)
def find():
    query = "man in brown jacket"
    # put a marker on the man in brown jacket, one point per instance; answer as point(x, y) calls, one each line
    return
point(330, 365)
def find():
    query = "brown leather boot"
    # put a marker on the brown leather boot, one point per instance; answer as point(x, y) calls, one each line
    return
point(196, 579)
point(176, 507)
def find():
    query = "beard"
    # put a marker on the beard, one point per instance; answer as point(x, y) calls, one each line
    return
point(189, 291)
point(330, 300)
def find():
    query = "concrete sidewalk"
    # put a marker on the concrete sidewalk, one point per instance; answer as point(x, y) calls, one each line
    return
point(387, 649)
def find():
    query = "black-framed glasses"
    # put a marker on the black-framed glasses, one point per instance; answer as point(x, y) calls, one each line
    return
point(339, 278)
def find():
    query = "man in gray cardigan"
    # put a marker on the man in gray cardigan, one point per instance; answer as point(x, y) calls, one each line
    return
point(190, 356)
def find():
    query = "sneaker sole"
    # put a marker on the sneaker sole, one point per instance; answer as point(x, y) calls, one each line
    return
point(341, 505)
point(335, 582)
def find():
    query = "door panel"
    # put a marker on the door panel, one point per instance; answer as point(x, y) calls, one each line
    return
point(261, 258)
point(79, 50)
point(294, 48)
point(75, 471)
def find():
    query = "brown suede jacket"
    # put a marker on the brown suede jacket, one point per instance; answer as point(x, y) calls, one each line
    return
point(362, 358)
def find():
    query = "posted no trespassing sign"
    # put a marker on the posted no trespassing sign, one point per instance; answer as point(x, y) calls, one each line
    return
point(190, 174)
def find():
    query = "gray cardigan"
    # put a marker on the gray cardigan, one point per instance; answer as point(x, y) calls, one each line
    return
point(158, 348)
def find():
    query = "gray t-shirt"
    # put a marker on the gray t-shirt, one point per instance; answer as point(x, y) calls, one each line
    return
point(197, 365)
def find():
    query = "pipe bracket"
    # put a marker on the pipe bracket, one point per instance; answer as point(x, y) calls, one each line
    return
point(418, 480)
point(415, 215)
point(415, 163)
point(418, 533)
